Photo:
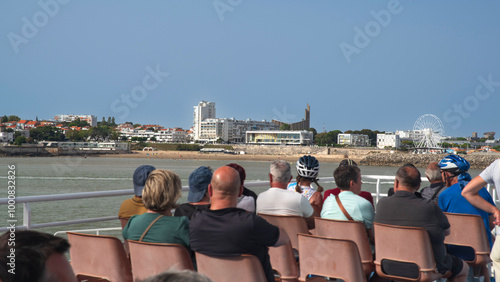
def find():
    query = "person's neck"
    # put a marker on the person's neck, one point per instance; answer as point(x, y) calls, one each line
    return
point(279, 185)
point(223, 204)
point(165, 213)
point(200, 203)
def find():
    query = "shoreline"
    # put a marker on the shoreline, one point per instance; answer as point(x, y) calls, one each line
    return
point(191, 155)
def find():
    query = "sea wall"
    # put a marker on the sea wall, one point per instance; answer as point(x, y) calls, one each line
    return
point(477, 161)
point(40, 151)
point(357, 153)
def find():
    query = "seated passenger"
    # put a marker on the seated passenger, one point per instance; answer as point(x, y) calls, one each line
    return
point(367, 195)
point(348, 205)
point(404, 208)
point(157, 225)
point(37, 257)
point(225, 230)
point(454, 169)
point(134, 205)
point(247, 200)
point(277, 200)
point(178, 276)
point(432, 192)
point(198, 198)
point(307, 170)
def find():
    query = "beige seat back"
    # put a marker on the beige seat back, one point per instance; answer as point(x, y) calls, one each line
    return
point(329, 257)
point(407, 245)
point(468, 230)
point(148, 259)
point(243, 268)
point(283, 261)
point(348, 230)
point(98, 256)
point(293, 225)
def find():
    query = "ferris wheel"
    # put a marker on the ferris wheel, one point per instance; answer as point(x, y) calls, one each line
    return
point(428, 131)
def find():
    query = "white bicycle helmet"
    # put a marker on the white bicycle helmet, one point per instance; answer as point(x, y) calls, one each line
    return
point(308, 166)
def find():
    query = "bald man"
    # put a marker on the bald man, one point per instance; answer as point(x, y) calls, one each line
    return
point(404, 208)
point(225, 230)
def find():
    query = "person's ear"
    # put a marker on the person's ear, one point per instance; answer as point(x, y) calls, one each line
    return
point(241, 191)
point(210, 190)
point(396, 184)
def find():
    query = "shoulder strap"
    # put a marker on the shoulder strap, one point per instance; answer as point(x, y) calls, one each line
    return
point(149, 227)
point(436, 193)
point(337, 198)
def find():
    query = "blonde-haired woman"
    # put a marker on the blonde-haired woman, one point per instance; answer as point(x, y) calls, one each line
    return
point(157, 225)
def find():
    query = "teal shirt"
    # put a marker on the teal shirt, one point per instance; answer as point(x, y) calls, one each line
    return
point(168, 229)
point(357, 207)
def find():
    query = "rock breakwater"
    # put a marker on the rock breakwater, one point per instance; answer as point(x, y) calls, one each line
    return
point(477, 161)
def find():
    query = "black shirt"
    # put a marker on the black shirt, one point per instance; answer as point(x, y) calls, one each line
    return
point(188, 209)
point(232, 232)
point(406, 209)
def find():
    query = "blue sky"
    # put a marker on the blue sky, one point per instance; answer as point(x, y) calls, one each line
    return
point(359, 64)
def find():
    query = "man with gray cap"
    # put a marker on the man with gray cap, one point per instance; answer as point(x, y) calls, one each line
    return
point(198, 198)
point(134, 205)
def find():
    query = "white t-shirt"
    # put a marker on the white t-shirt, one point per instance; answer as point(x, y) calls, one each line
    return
point(279, 201)
point(247, 203)
point(492, 175)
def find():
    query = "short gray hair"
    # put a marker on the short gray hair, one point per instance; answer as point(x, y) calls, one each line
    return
point(433, 172)
point(281, 172)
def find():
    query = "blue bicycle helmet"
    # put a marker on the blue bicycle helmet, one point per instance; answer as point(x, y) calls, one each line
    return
point(454, 164)
point(308, 166)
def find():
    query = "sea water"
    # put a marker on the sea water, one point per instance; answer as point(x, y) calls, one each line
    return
point(62, 175)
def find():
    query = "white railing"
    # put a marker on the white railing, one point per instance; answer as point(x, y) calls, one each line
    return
point(27, 223)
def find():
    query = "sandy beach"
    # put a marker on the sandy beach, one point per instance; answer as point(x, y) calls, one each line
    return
point(217, 156)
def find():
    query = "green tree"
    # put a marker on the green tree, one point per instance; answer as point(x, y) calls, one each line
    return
point(5, 119)
point(115, 135)
point(47, 133)
point(73, 135)
point(20, 140)
point(152, 139)
point(497, 148)
point(327, 138)
point(113, 121)
point(100, 133)
point(14, 118)
point(79, 123)
point(285, 126)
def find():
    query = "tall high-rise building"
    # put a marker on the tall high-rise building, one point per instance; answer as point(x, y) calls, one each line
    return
point(204, 110)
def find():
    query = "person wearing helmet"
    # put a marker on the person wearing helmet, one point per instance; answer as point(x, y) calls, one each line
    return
point(471, 192)
point(454, 170)
point(307, 170)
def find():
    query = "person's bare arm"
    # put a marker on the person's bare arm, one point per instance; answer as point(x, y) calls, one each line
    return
point(316, 202)
point(310, 221)
point(471, 193)
point(491, 225)
point(283, 239)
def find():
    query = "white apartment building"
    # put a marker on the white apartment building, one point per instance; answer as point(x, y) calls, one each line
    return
point(279, 137)
point(6, 137)
point(91, 119)
point(163, 135)
point(358, 140)
point(207, 128)
point(388, 140)
point(204, 110)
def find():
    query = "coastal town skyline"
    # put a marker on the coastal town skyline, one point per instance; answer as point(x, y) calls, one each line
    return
point(375, 65)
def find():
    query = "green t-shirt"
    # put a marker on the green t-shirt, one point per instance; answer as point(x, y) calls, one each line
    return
point(168, 229)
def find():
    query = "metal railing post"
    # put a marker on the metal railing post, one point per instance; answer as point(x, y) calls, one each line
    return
point(377, 190)
point(27, 215)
